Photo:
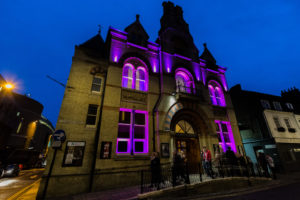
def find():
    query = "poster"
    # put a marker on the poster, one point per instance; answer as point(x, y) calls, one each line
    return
point(74, 154)
point(105, 152)
point(165, 151)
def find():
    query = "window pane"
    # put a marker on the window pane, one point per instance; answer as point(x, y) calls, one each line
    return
point(96, 88)
point(276, 121)
point(91, 120)
point(92, 110)
point(124, 117)
point(139, 146)
point(226, 138)
point(122, 146)
point(97, 81)
point(217, 127)
point(287, 122)
point(224, 127)
point(219, 137)
point(139, 132)
point(124, 131)
point(139, 118)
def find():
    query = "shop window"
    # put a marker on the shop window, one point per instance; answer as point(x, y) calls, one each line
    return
point(132, 132)
point(91, 115)
point(135, 75)
point(265, 104)
point(96, 84)
point(184, 81)
point(216, 93)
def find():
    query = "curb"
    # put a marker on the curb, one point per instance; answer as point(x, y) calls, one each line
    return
point(25, 189)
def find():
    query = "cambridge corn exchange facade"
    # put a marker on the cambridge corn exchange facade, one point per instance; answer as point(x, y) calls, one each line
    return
point(127, 97)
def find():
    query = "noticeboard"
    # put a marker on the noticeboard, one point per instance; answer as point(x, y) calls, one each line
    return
point(73, 153)
point(105, 152)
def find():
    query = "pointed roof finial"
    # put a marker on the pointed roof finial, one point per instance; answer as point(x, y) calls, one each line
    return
point(137, 17)
point(99, 31)
point(204, 44)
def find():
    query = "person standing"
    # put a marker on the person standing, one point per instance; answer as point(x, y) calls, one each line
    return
point(271, 165)
point(263, 163)
point(155, 170)
point(207, 161)
point(232, 161)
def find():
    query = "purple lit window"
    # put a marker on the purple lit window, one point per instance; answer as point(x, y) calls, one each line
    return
point(184, 81)
point(135, 75)
point(225, 135)
point(132, 132)
point(216, 94)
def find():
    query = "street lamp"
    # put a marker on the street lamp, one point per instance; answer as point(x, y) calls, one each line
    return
point(9, 86)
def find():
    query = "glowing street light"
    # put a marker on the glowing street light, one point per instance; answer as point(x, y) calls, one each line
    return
point(9, 86)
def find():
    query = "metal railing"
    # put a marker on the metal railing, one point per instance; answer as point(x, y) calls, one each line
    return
point(170, 176)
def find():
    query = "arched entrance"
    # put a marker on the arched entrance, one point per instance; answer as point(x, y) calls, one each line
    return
point(187, 127)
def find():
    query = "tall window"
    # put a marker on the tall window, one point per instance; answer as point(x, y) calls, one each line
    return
point(96, 84)
point(216, 93)
point(132, 132)
point(289, 106)
point(276, 121)
point(91, 115)
point(135, 74)
point(184, 81)
point(225, 135)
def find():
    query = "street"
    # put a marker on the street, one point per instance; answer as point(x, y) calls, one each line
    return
point(10, 187)
point(286, 192)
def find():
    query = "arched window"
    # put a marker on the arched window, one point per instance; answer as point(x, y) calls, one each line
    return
point(216, 93)
point(183, 127)
point(140, 79)
point(135, 74)
point(184, 81)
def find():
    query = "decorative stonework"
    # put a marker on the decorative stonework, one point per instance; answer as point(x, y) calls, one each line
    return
point(134, 96)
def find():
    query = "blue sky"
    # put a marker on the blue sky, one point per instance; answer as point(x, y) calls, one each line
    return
point(258, 41)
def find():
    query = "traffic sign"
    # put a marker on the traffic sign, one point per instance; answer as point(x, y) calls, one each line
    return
point(58, 137)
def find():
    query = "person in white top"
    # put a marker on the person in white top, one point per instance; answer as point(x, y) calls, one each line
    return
point(271, 165)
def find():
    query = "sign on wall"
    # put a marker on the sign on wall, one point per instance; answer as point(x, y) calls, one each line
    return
point(165, 151)
point(105, 152)
point(74, 154)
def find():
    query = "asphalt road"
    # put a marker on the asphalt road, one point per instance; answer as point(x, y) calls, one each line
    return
point(11, 185)
point(285, 192)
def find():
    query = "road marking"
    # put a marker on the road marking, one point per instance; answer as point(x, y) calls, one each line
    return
point(19, 193)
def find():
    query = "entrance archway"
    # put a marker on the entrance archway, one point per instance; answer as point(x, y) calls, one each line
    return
point(187, 126)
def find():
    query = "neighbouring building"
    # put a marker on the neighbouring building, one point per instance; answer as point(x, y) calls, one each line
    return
point(24, 132)
point(127, 97)
point(268, 124)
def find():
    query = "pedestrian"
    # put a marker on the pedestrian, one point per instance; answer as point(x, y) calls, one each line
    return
point(176, 167)
point(232, 161)
point(217, 162)
point(155, 170)
point(271, 165)
point(243, 165)
point(263, 164)
point(207, 162)
point(250, 166)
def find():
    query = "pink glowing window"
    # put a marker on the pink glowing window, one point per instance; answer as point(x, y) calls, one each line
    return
point(135, 74)
point(225, 135)
point(132, 132)
point(184, 81)
point(216, 93)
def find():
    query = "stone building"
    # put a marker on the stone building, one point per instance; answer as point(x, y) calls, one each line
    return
point(127, 97)
point(269, 124)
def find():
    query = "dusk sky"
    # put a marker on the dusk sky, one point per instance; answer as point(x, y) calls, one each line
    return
point(257, 41)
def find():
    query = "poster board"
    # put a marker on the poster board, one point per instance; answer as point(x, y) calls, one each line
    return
point(105, 152)
point(73, 154)
point(165, 150)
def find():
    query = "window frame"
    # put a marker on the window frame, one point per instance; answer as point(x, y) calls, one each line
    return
point(91, 115)
point(131, 141)
point(100, 85)
point(277, 105)
point(215, 88)
point(265, 104)
point(229, 134)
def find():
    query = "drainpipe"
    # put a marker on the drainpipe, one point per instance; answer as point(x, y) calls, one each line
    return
point(155, 108)
point(97, 136)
